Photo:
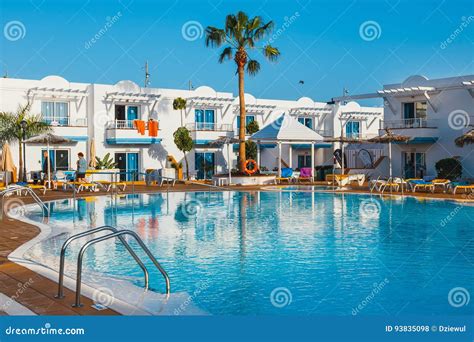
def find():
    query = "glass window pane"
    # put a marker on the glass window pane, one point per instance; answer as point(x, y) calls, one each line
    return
point(47, 111)
point(61, 113)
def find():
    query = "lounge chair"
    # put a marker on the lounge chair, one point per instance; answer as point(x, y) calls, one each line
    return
point(343, 180)
point(442, 183)
point(419, 184)
point(286, 175)
point(468, 188)
point(42, 188)
point(306, 174)
point(107, 185)
point(80, 186)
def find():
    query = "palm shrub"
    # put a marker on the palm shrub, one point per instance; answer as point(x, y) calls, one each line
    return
point(179, 104)
point(12, 132)
point(105, 163)
point(241, 35)
point(184, 143)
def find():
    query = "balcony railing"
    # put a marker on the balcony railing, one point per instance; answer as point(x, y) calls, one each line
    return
point(208, 126)
point(66, 122)
point(408, 123)
point(122, 124)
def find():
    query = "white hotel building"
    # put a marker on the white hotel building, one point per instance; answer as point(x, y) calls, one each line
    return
point(84, 112)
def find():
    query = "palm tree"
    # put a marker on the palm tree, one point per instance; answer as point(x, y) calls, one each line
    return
point(179, 104)
point(11, 130)
point(241, 34)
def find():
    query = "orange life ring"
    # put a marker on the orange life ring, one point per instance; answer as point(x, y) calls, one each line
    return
point(253, 170)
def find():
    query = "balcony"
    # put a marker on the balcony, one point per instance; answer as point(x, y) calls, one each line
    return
point(420, 130)
point(75, 130)
point(203, 133)
point(123, 132)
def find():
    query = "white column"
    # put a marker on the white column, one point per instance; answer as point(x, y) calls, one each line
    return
point(312, 161)
point(229, 163)
point(258, 154)
point(290, 150)
point(279, 159)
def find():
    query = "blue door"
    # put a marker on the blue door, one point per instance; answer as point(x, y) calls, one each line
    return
point(132, 113)
point(132, 166)
point(205, 119)
point(199, 118)
point(51, 159)
point(204, 164)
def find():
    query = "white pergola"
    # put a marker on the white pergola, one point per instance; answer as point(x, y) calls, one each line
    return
point(286, 130)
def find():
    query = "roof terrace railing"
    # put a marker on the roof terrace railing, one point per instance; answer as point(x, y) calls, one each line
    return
point(409, 123)
point(209, 126)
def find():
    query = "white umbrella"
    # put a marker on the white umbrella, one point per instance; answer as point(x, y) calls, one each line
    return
point(48, 139)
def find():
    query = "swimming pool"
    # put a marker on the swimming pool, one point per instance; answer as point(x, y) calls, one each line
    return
point(282, 253)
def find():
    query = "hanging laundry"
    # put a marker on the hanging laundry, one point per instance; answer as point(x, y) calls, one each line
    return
point(153, 128)
point(140, 126)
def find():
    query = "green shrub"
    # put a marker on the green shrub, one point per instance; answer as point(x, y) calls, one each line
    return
point(449, 168)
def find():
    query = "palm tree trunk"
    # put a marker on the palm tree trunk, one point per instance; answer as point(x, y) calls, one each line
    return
point(181, 117)
point(242, 119)
point(20, 162)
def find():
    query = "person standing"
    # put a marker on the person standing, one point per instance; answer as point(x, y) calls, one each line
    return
point(46, 168)
point(81, 167)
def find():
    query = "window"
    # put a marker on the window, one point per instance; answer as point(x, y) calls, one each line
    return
point(353, 129)
point(308, 122)
point(414, 113)
point(55, 113)
point(248, 119)
point(304, 161)
point(205, 119)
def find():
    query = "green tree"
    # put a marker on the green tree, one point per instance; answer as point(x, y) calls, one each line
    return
point(449, 168)
point(184, 142)
point(240, 35)
point(252, 127)
point(250, 150)
point(12, 132)
point(179, 104)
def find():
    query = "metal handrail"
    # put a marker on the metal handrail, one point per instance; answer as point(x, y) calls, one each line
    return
point(28, 191)
point(106, 237)
point(90, 232)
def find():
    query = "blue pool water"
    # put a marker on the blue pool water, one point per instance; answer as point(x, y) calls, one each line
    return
point(285, 253)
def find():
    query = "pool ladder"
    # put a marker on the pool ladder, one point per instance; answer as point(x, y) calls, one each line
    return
point(114, 233)
point(19, 190)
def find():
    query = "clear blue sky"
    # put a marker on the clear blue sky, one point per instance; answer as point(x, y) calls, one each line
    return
point(322, 45)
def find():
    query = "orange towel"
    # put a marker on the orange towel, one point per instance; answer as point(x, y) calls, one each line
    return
point(140, 126)
point(153, 128)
